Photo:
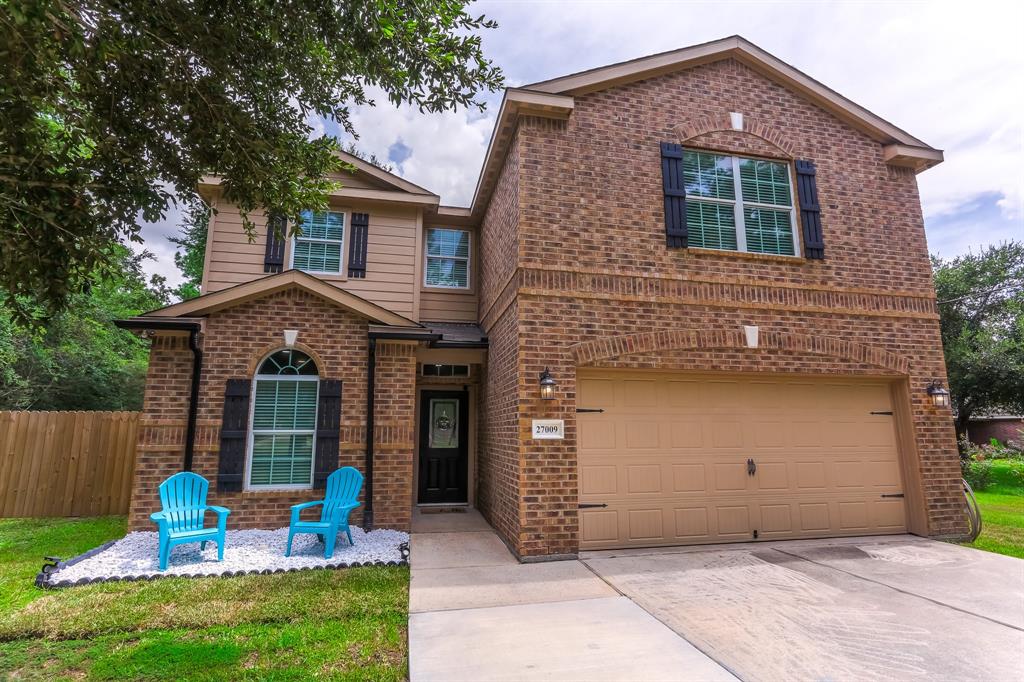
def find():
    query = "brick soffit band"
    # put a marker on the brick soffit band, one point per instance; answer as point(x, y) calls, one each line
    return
point(590, 352)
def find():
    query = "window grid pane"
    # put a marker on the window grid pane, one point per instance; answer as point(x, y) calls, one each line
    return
point(320, 256)
point(283, 406)
point(710, 225)
point(447, 272)
point(765, 182)
point(708, 175)
point(768, 231)
point(443, 242)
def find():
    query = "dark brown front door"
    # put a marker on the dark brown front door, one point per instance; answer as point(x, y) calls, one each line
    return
point(444, 453)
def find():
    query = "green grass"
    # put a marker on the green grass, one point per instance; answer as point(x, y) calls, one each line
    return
point(1002, 512)
point(348, 624)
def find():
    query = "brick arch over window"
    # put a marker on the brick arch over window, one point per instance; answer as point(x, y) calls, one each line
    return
point(693, 128)
point(255, 360)
point(590, 352)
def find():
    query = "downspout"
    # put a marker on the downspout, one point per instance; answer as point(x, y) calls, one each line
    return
point(193, 400)
point(370, 381)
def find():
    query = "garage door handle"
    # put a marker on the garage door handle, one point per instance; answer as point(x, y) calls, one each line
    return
point(592, 506)
point(751, 467)
point(892, 494)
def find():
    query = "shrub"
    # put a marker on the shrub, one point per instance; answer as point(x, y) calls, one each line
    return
point(975, 464)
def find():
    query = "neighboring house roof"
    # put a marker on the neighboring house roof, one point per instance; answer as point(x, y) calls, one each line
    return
point(258, 288)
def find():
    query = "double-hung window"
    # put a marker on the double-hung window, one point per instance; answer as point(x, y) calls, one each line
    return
point(284, 405)
point(739, 204)
point(321, 245)
point(447, 256)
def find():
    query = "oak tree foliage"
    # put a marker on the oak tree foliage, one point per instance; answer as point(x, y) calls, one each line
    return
point(109, 108)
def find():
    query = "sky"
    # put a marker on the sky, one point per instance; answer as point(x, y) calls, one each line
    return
point(951, 74)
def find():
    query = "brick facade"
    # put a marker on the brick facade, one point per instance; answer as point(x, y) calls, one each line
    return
point(574, 273)
point(234, 341)
point(596, 286)
point(982, 431)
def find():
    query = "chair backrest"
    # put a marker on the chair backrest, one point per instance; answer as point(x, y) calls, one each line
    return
point(184, 496)
point(343, 488)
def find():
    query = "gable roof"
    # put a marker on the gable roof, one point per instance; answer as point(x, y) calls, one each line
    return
point(554, 98)
point(258, 288)
point(745, 52)
point(382, 185)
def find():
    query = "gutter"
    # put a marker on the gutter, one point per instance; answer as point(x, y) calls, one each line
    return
point(192, 327)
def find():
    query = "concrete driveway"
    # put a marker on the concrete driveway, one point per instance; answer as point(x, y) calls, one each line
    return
point(898, 607)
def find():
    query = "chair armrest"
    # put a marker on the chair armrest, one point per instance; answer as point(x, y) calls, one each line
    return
point(297, 509)
point(343, 509)
point(158, 517)
point(224, 511)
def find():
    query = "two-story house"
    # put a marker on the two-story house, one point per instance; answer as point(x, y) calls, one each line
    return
point(691, 302)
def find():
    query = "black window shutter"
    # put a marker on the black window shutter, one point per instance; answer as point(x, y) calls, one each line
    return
point(810, 211)
point(357, 245)
point(277, 227)
point(234, 427)
point(675, 195)
point(328, 431)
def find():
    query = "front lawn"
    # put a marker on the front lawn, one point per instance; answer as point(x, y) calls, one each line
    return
point(1002, 512)
point(344, 624)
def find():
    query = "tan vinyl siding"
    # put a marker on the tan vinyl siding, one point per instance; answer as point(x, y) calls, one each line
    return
point(447, 306)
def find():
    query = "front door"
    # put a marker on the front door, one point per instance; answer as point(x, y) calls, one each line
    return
point(444, 453)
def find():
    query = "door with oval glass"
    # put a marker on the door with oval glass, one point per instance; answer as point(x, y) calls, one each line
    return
point(444, 452)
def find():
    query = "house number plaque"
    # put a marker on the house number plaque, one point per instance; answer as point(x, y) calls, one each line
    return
point(548, 429)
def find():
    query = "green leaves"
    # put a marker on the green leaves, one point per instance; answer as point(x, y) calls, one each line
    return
point(981, 308)
point(107, 109)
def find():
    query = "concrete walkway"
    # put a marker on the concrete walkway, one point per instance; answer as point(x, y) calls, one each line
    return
point(896, 607)
point(477, 614)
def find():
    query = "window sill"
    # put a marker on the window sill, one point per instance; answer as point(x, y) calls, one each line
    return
point(748, 255)
point(458, 290)
point(276, 492)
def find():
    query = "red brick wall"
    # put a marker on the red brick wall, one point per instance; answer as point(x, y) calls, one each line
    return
point(233, 343)
point(593, 265)
point(394, 429)
point(982, 431)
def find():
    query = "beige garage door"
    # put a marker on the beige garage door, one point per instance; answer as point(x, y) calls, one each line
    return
point(681, 459)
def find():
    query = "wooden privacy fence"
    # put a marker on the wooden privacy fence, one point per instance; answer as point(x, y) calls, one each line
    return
point(66, 463)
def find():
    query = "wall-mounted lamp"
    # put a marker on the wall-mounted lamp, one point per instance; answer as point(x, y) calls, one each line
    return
point(290, 337)
point(940, 396)
point(547, 385)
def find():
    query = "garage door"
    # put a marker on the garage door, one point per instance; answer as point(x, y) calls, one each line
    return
point(681, 459)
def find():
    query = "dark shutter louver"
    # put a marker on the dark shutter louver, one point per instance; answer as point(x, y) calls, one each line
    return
point(357, 245)
point(328, 431)
point(810, 211)
point(273, 259)
point(675, 195)
point(234, 427)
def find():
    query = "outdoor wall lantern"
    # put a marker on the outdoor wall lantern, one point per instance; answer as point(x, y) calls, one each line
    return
point(940, 396)
point(547, 385)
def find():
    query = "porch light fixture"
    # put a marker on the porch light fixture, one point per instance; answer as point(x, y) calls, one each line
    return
point(940, 396)
point(547, 385)
point(290, 337)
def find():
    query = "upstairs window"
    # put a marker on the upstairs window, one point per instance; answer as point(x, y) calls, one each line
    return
point(283, 421)
point(320, 247)
point(739, 204)
point(447, 256)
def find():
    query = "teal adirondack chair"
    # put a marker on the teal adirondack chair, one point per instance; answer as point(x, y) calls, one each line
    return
point(183, 497)
point(343, 488)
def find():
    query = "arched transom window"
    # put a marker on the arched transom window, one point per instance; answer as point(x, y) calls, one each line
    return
point(283, 430)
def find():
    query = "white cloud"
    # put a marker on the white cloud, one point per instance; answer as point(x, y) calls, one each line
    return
point(951, 74)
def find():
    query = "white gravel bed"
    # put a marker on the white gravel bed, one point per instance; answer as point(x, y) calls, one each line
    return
point(245, 551)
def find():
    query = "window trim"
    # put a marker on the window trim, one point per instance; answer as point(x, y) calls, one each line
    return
point(468, 258)
point(250, 436)
point(343, 259)
point(738, 204)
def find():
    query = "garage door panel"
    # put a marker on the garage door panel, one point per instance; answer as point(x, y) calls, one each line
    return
point(669, 457)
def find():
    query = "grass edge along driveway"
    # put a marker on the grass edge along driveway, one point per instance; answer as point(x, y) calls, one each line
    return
point(1002, 512)
point(325, 624)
